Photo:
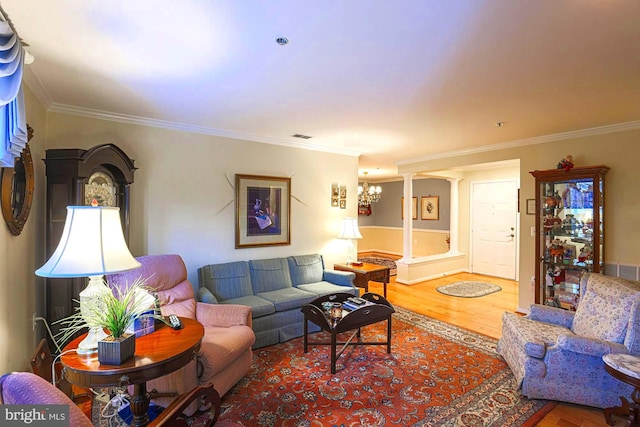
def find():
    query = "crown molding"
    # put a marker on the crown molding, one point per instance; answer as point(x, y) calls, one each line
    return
point(183, 127)
point(619, 127)
point(36, 86)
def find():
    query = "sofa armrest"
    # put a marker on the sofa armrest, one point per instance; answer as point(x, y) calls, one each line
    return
point(553, 315)
point(205, 295)
point(341, 278)
point(588, 346)
point(223, 314)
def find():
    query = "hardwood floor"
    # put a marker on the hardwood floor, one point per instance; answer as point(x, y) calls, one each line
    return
point(482, 315)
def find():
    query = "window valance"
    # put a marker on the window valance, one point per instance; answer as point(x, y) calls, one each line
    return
point(13, 121)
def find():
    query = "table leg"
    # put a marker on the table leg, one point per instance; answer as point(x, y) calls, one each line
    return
point(140, 405)
point(384, 286)
point(626, 408)
point(333, 351)
point(306, 329)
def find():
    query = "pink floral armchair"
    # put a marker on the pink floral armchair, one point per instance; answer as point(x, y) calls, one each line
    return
point(557, 354)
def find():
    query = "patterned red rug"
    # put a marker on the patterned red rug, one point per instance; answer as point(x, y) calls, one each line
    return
point(437, 374)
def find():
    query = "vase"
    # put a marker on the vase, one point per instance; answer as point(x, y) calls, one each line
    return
point(115, 351)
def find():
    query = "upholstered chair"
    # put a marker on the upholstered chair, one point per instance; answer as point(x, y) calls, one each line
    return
point(225, 353)
point(557, 354)
point(26, 388)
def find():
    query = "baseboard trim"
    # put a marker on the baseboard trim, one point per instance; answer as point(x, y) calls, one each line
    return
point(431, 277)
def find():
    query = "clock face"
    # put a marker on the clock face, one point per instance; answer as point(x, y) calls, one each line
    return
point(100, 187)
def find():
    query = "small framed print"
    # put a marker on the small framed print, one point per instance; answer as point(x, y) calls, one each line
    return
point(343, 203)
point(531, 206)
point(414, 207)
point(430, 208)
point(343, 191)
point(335, 194)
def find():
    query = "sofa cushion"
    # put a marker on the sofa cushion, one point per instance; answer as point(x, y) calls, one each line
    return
point(306, 269)
point(228, 280)
point(604, 310)
point(259, 306)
point(288, 298)
point(269, 275)
point(325, 288)
point(533, 336)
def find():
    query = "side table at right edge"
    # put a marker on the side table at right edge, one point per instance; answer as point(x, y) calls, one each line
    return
point(626, 368)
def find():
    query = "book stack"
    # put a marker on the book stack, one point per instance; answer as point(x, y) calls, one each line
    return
point(353, 303)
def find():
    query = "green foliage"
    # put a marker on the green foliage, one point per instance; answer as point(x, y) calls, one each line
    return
point(108, 311)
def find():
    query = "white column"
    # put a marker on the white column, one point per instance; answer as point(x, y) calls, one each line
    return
point(453, 215)
point(407, 222)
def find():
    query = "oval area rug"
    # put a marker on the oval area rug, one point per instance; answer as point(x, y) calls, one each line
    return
point(468, 289)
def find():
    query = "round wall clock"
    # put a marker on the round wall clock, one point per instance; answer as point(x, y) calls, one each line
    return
point(100, 187)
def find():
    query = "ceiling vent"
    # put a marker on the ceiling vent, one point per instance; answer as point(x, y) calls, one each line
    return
point(301, 136)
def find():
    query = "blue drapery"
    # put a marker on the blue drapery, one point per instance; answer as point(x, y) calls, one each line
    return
point(13, 121)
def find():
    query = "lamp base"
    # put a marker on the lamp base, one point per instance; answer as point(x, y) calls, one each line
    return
point(89, 345)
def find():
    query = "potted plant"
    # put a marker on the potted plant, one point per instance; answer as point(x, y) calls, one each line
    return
point(113, 311)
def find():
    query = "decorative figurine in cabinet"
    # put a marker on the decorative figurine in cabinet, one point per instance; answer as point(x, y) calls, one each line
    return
point(570, 232)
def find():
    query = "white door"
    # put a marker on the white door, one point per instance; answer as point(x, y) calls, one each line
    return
point(493, 228)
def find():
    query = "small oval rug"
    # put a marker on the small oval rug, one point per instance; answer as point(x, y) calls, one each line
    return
point(468, 289)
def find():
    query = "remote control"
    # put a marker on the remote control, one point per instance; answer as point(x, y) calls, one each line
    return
point(357, 300)
point(175, 322)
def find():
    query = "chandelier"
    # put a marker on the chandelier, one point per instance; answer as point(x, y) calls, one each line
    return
point(368, 194)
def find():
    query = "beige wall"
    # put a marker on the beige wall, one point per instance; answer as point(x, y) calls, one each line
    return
point(182, 202)
point(618, 150)
point(20, 292)
point(389, 240)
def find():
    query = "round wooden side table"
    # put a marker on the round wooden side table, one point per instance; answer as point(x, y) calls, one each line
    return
point(157, 354)
point(626, 368)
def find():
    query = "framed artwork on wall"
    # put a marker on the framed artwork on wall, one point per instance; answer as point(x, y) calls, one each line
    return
point(414, 207)
point(263, 211)
point(531, 206)
point(430, 207)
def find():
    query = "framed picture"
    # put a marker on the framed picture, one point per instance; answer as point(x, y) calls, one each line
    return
point(335, 192)
point(263, 211)
point(531, 206)
point(343, 191)
point(430, 207)
point(414, 207)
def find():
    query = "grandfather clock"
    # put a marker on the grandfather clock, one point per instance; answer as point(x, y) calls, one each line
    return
point(74, 178)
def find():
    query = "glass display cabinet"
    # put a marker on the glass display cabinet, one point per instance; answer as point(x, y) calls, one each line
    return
point(570, 232)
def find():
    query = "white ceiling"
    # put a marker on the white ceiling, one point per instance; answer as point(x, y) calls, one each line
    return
point(391, 80)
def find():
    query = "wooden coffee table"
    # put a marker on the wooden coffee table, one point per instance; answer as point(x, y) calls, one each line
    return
point(367, 272)
point(376, 310)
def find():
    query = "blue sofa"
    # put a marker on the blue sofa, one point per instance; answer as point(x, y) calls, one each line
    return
point(275, 289)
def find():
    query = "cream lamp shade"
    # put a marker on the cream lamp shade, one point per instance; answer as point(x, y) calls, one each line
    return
point(92, 244)
point(349, 231)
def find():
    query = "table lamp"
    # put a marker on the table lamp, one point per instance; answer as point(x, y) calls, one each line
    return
point(349, 230)
point(92, 244)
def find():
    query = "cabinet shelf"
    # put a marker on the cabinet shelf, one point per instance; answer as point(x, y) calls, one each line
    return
point(570, 217)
